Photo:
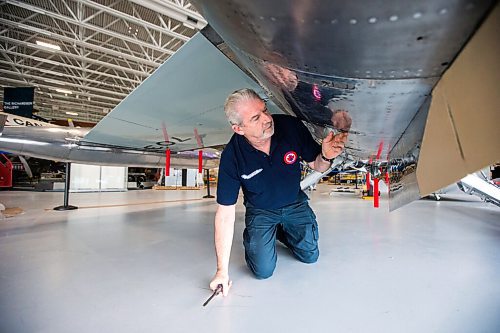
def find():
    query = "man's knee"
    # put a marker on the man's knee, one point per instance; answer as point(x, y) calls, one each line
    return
point(309, 257)
point(262, 272)
point(262, 275)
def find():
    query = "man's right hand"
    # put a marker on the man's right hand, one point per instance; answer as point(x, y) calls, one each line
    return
point(221, 278)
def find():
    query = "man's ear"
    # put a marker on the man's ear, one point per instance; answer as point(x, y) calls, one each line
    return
point(237, 129)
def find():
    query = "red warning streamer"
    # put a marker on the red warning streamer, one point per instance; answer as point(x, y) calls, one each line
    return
point(167, 151)
point(367, 181)
point(200, 161)
point(167, 162)
point(164, 130)
point(199, 141)
point(375, 193)
point(380, 147)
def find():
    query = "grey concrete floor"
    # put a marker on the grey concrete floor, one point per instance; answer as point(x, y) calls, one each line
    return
point(141, 261)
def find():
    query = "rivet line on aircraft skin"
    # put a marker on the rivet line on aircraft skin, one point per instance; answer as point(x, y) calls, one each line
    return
point(392, 18)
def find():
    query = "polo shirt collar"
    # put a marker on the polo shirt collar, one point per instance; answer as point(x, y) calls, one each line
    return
point(249, 148)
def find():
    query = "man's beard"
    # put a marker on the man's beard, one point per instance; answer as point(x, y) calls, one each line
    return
point(267, 133)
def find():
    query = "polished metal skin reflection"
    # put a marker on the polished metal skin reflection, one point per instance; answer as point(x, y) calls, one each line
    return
point(62, 144)
point(377, 61)
point(378, 110)
point(403, 161)
point(356, 39)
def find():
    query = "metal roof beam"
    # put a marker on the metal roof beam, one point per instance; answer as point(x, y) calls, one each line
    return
point(47, 71)
point(187, 17)
point(39, 85)
point(70, 103)
point(80, 43)
point(56, 97)
point(64, 84)
point(134, 19)
point(58, 115)
point(86, 25)
point(74, 56)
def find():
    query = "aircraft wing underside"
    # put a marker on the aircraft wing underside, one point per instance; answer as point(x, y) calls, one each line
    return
point(179, 105)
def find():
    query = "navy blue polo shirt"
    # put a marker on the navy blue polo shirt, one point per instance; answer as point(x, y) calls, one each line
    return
point(268, 181)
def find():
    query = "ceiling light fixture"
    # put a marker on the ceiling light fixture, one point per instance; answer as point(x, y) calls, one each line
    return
point(48, 45)
point(64, 91)
point(72, 113)
point(193, 20)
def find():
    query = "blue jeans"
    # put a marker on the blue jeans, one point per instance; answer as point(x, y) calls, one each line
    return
point(294, 225)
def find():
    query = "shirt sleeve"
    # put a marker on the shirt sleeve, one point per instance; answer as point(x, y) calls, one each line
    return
point(228, 181)
point(310, 149)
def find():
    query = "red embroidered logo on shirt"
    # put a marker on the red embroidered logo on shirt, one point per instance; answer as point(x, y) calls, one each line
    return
point(290, 157)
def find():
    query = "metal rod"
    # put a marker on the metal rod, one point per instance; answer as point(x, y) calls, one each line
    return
point(66, 183)
point(216, 292)
point(65, 206)
point(207, 171)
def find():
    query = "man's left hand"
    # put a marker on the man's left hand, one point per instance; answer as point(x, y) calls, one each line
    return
point(333, 145)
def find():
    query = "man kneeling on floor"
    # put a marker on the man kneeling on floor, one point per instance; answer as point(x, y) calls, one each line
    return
point(262, 157)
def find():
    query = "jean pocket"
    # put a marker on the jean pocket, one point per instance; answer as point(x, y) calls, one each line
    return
point(249, 218)
point(315, 231)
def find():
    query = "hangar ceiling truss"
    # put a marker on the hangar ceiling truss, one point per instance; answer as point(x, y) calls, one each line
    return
point(85, 56)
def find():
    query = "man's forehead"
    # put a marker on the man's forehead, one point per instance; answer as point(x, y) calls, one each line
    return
point(251, 106)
